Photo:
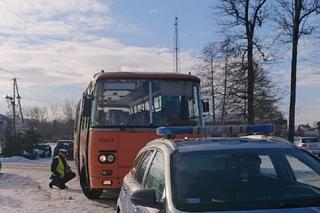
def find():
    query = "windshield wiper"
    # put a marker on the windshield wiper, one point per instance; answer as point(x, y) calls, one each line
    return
point(301, 202)
point(217, 201)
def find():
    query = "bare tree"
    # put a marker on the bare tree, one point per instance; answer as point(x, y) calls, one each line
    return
point(229, 51)
point(267, 93)
point(36, 113)
point(294, 20)
point(207, 72)
point(219, 65)
point(267, 98)
point(238, 87)
point(68, 110)
point(54, 112)
point(248, 14)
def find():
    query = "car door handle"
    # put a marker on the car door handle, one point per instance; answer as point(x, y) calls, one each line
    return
point(137, 209)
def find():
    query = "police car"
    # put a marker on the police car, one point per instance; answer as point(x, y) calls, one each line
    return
point(245, 174)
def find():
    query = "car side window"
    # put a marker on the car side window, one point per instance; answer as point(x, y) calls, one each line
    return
point(140, 167)
point(155, 176)
point(303, 173)
point(267, 167)
point(136, 163)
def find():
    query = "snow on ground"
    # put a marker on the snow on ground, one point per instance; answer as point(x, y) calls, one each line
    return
point(24, 188)
point(20, 159)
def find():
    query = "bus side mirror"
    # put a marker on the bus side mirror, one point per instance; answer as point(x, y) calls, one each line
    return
point(205, 106)
point(87, 106)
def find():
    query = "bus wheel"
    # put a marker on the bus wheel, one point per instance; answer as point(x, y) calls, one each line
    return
point(89, 193)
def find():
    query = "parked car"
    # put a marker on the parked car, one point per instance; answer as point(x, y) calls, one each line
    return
point(43, 150)
point(311, 144)
point(221, 174)
point(0, 165)
point(64, 144)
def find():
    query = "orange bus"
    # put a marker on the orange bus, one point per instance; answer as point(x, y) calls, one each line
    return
point(119, 113)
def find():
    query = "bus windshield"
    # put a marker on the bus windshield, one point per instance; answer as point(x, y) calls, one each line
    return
point(144, 103)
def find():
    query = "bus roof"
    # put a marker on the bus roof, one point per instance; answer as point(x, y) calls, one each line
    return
point(144, 75)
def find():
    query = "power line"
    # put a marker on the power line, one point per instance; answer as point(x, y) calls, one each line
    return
point(8, 71)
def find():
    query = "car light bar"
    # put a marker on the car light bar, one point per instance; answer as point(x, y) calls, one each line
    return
point(217, 131)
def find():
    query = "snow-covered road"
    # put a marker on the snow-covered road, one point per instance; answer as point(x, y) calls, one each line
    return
point(24, 188)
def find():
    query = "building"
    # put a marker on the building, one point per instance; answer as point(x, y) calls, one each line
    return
point(307, 130)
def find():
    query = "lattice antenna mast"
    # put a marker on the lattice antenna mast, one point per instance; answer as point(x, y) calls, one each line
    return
point(176, 45)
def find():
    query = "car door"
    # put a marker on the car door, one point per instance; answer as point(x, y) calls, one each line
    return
point(133, 181)
point(155, 179)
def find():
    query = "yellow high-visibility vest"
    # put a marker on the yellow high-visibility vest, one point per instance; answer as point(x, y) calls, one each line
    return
point(60, 167)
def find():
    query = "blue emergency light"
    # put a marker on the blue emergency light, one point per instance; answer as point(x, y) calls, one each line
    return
point(172, 130)
point(217, 131)
point(263, 129)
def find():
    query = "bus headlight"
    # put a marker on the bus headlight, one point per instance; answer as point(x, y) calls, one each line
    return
point(107, 158)
point(111, 158)
point(102, 158)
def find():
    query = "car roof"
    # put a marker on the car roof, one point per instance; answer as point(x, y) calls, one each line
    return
point(64, 141)
point(202, 144)
point(306, 137)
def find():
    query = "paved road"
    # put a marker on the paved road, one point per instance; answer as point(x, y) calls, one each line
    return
point(24, 188)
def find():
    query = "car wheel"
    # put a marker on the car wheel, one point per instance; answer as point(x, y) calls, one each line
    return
point(89, 193)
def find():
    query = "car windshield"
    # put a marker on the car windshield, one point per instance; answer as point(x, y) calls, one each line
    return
point(143, 103)
point(310, 140)
point(64, 144)
point(244, 179)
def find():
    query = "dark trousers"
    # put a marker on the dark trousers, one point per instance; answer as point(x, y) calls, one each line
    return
point(60, 182)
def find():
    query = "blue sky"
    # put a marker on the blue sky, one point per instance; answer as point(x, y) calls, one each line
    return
point(54, 47)
point(156, 18)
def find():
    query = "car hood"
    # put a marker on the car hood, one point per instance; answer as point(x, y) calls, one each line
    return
point(289, 210)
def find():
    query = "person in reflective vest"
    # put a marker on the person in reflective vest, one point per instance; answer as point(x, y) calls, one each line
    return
point(61, 172)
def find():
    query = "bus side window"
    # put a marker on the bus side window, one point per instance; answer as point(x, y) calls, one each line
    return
point(85, 123)
point(81, 119)
point(75, 126)
point(82, 122)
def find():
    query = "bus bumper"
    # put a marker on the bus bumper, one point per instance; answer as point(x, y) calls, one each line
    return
point(105, 183)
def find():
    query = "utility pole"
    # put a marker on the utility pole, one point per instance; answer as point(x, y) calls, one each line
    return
point(12, 101)
point(19, 102)
point(14, 107)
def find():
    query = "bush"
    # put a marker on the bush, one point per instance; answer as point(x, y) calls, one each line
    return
point(12, 147)
point(21, 145)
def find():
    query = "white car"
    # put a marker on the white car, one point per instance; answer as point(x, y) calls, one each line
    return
point(311, 144)
point(265, 175)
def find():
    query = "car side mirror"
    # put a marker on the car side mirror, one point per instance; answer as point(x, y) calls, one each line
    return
point(205, 106)
point(87, 106)
point(145, 197)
